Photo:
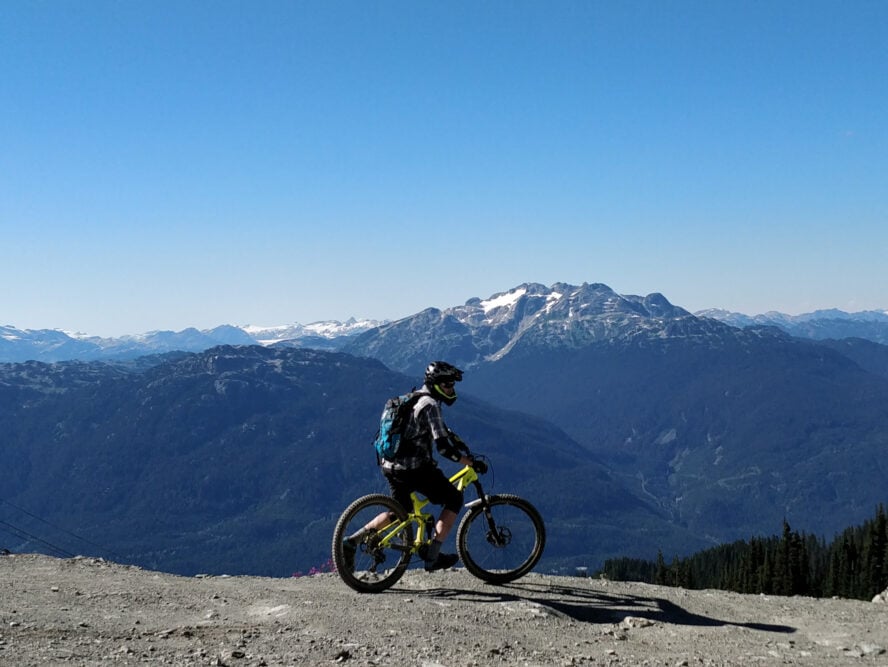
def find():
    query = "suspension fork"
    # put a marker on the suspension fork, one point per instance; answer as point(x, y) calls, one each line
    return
point(496, 536)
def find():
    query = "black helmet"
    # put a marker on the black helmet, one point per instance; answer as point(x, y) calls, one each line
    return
point(438, 373)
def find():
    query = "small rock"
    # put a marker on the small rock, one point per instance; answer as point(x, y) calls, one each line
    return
point(871, 649)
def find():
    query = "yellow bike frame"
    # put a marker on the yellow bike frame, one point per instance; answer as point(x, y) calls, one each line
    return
point(461, 479)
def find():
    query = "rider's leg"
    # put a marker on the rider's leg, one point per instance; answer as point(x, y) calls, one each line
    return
point(443, 493)
point(431, 482)
point(378, 522)
point(401, 494)
point(445, 522)
point(442, 529)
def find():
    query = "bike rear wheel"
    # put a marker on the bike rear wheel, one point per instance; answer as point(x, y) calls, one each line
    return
point(506, 543)
point(377, 559)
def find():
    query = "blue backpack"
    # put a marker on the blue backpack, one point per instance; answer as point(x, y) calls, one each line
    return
point(394, 418)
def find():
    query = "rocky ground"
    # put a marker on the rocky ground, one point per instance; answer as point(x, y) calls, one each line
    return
point(84, 611)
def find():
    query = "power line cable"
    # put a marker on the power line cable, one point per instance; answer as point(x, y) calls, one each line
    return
point(18, 532)
point(63, 530)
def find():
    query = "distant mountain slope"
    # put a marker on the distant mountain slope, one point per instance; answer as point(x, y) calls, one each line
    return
point(870, 325)
point(239, 459)
point(730, 435)
point(870, 356)
point(52, 345)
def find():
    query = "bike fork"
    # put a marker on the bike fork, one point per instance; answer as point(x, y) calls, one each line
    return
point(495, 536)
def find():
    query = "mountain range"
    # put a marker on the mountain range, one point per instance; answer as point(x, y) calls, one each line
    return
point(55, 345)
point(819, 325)
point(632, 423)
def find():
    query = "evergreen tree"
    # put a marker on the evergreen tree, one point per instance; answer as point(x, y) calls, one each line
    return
point(854, 564)
point(874, 555)
point(662, 573)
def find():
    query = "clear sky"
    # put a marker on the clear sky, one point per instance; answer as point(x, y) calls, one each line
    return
point(166, 164)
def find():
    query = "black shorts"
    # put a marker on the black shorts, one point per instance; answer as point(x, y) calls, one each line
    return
point(428, 481)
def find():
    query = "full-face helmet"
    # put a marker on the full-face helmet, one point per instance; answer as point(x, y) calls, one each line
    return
point(440, 378)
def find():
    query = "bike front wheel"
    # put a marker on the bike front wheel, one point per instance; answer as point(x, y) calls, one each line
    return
point(502, 541)
point(372, 543)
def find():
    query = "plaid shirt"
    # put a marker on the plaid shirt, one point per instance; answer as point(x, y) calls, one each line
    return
point(426, 424)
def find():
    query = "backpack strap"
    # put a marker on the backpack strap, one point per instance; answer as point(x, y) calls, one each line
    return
point(423, 399)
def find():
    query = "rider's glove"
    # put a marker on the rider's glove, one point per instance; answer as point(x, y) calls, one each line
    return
point(479, 466)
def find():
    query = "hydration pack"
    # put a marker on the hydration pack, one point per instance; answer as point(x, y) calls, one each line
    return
point(394, 418)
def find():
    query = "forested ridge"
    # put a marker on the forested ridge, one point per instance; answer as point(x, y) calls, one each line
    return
point(853, 565)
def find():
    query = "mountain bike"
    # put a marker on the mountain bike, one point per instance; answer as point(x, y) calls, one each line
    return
point(500, 538)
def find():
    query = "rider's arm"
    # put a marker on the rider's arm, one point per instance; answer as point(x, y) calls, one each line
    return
point(448, 450)
point(466, 457)
point(446, 442)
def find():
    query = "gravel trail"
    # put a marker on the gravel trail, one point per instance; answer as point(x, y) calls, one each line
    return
point(85, 611)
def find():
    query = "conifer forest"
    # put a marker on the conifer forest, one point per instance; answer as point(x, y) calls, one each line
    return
point(853, 565)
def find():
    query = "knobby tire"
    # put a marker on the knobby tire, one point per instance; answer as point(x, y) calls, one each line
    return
point(374, 569)
point(508, 551)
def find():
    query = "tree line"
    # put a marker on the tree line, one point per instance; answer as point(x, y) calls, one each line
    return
point(853, 565)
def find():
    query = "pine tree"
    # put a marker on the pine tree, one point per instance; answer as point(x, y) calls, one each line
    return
point(848, 567)
point(880, 537)
point(662, 573)
point(674, 577)
point(798, 565)
point(783, 575)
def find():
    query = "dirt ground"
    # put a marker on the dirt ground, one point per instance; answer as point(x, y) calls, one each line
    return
point(85, 611)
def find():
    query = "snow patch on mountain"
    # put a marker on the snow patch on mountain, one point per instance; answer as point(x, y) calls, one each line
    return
point(552, 300)
point(503, 300)
point(327, 329)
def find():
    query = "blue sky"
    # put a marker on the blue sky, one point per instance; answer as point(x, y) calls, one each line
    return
point(175, 164)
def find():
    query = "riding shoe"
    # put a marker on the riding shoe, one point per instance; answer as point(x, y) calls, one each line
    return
point(348, 553)
point(443, 562)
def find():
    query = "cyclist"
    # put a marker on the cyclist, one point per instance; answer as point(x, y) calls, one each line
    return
point(415, 469)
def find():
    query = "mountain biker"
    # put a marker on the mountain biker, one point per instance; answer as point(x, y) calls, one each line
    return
point(415, 469)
